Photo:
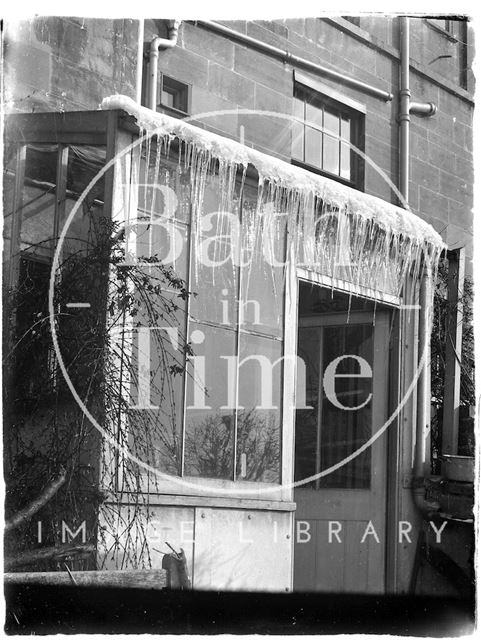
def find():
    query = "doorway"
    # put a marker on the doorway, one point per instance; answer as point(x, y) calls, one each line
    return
point(341, 497)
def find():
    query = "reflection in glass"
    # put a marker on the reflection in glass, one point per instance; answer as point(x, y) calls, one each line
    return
point(330, 154)
point(306, 419)
point(214, 253)
point(298, 141)
point(345, 428)
point(262, 278)
point(209, 423)
point(260, 415)
point(38, 200)
point(331, 123)
point(313, 147)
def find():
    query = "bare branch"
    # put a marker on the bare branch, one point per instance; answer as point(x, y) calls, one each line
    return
point(24, 514)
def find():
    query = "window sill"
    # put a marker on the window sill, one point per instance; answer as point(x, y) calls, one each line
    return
point(176, 500)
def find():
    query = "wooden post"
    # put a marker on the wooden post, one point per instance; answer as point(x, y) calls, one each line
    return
point(131, 579)
point(454, 333)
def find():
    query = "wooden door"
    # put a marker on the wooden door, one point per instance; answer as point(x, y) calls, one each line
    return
point(341, 513)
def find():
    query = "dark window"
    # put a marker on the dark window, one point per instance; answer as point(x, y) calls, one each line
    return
point(324, 135)
point(456, 32)
point(325, 433)
point(173, 95)
point(443, 24)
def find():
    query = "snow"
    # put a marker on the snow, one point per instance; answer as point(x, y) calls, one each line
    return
point(390, 217)
point(333, 229)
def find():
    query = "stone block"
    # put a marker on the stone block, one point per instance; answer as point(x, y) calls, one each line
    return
point(263, 69)
point(215, 47)
point(231, 86)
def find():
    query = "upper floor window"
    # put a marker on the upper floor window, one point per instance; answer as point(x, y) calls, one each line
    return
point(324, 135)
point(443, 24)
point(173, 96)
point(455, 32)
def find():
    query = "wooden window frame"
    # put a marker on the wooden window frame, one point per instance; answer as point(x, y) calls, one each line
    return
point(333, 101)
point(165, 108)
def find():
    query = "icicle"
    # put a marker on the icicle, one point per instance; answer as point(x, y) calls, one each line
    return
point(351, 236)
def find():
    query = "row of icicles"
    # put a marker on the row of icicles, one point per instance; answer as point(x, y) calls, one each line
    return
point(333, 238)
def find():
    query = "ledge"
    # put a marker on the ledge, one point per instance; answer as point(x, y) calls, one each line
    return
point(170, 500)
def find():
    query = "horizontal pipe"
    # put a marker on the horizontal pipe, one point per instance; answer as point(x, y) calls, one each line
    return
point(289, 58)
point(423, 108)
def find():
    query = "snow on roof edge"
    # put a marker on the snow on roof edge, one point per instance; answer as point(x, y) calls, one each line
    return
point(389, 216)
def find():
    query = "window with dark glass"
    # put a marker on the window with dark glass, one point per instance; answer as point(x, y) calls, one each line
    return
point(324, 136)
point(54, 177)
point(443, 24)
point(173, 95)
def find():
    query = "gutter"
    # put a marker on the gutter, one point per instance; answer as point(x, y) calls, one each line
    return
point(296, 61)
point(156, 44)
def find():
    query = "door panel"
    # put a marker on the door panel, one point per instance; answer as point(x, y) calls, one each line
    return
point(346, 376)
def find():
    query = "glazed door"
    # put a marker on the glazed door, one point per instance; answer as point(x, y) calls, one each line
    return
point(341, 510)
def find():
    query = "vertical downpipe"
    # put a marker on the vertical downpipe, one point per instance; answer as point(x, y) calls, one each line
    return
point(140, 62)
point(404, 118)
point(423, 384)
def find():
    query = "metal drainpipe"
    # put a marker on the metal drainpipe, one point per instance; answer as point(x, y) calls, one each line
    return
point(140, 62)
point(423, 386)
point(406, 107)
point(404, 100)
point(289, 58)
point(155, 45)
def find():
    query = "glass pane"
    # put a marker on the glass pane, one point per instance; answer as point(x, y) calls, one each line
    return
point(38, 204)
point(299, 110)
point(314, 300)
point(8, 197)
point(298, 141)
point(155, 404)
point(167, 98)
point(346, 129)
point(330, 155)
point(260, 414)
point(313, 115)
point(214, 256)
point(345, 161)
point(331, 123)
point(164, 187)
point(84, 163)
point(346, 406)
point(86, 228)
point(313, 147)
point(211, 383)
point(165, 241)
point(346, 149)
point(262, 278)
point(306, 419)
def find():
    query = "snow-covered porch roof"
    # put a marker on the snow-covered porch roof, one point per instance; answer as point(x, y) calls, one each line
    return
point(379, 232)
